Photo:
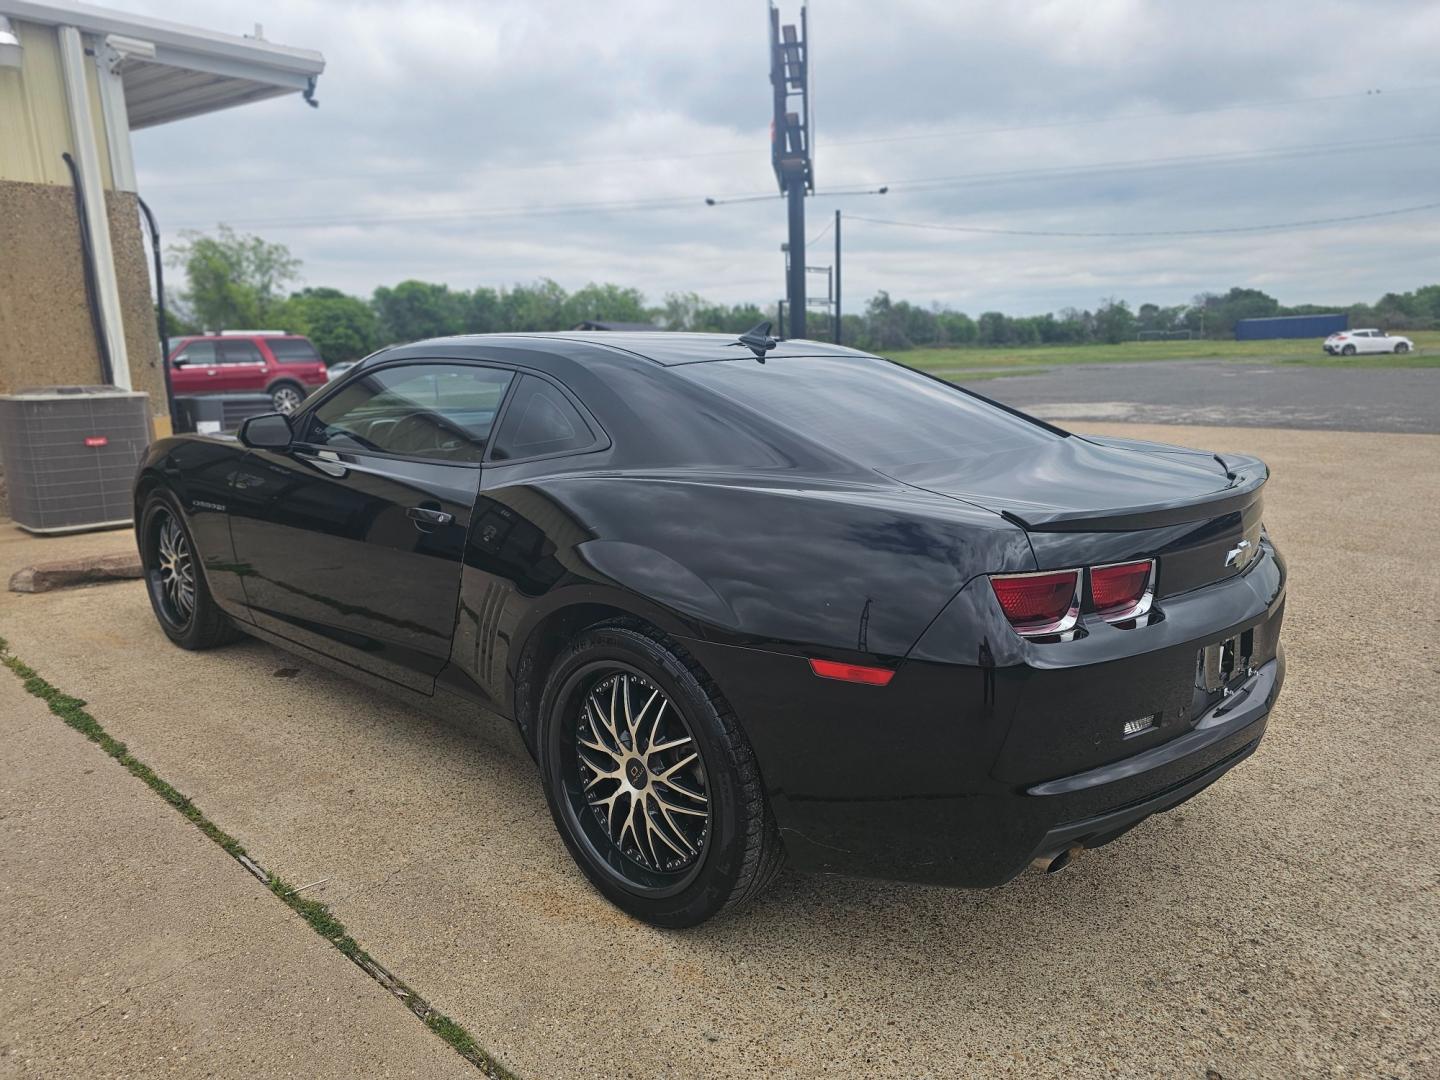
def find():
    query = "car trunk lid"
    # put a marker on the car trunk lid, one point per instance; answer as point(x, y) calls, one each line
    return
point(1088, 501)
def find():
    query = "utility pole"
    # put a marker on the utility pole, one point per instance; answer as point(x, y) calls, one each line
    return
point(790, 147)
point(837, 277)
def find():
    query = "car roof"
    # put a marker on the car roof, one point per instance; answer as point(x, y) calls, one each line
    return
point(660, 347)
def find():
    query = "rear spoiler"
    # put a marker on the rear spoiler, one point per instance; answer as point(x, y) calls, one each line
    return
point(1244, 489)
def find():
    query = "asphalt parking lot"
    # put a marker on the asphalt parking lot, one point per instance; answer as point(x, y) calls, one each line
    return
point(1285, 923)
point(1234, 393)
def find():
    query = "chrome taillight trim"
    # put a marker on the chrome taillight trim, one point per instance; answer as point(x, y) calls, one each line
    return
point(1067, 622)
point(1141, 607)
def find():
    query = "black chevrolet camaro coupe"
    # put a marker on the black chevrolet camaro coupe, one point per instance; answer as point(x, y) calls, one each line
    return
point(747, 602)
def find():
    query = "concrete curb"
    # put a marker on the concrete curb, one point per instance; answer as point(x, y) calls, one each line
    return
point(69, 573)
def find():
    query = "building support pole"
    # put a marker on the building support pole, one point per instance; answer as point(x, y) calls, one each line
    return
point(796, 194)
point(87, 157)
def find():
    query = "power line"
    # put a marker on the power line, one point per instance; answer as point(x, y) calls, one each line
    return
point(821, 234)
point(1272, 227)
point(576, 163)
point(913, 184)
point(1157, 114)
point(1223, 157)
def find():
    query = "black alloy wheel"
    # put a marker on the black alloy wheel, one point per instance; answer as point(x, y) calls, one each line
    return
point(175, 580)
point(1401, 347)
point(650, 780)
point(1348, 350)
point(172, 577)
point(639, 785)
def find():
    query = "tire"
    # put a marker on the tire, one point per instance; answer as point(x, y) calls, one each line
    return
point(660, 863)
point(1348, 350)
point(1401, 347)
point(168, 555)
point(286, 397)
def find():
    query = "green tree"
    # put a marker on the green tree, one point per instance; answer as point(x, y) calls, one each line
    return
point(615, 303)
point(418, 309)
point(1114, 321)
point(233, 280)
point(342, 327)
point(993, 328)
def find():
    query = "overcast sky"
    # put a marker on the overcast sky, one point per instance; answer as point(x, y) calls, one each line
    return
point(453, 140)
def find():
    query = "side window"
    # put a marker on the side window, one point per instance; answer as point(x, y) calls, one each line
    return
point(540, 420)
point(440, 411)
point(198, 352)
point(239, 352)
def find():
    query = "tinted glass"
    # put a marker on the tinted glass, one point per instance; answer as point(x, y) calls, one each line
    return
point(293, 350)
point(540, 420)
point(440, 411)
point(198, 352)
point(239, 352)
point(872, 411)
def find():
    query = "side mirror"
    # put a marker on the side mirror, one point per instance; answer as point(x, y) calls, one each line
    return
point(180, 361)
point(268, 432)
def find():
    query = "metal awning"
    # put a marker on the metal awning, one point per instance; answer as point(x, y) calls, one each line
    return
point(170, 71)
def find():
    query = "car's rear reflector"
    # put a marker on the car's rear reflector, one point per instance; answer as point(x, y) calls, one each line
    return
point(856, 673)
point(1039, 604)
point(1122, 591)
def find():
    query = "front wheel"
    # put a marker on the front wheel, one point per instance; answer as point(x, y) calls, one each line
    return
point(1401, 347)
point(650, 780)
point(175, 581)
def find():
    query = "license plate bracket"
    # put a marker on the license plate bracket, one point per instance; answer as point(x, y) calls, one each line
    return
point(1226, 662)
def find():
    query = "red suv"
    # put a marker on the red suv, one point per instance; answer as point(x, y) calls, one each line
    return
point(285, 366)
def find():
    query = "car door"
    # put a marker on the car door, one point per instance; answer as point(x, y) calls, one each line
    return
point(241, 367)
point(1371, 341)
point(193, 369)
point(351, 540)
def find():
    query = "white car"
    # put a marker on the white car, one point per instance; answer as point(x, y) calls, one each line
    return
point(1350, 342)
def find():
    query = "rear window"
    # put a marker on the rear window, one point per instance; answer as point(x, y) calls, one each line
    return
point(293, 350)
point(872, 411)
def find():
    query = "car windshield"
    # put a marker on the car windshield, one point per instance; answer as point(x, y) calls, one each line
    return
point(293, 350)
point(873, 411)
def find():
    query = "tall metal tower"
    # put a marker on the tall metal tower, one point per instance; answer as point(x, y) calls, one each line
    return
point(790, 142)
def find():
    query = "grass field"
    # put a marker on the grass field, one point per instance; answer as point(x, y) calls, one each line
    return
point(992, 362)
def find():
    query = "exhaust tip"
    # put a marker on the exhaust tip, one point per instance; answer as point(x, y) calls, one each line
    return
point(1056, 863)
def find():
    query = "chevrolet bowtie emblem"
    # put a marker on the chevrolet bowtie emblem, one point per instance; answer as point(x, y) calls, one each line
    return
point(1237, 556)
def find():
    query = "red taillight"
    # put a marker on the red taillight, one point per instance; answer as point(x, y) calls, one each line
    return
point(1037, 604)
point(856, 673)
point(97, 440)
point(1122, 590)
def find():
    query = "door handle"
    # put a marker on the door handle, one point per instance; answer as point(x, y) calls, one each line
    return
point(422, 515)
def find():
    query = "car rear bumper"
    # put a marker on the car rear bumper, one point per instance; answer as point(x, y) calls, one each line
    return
point(964, 772)
point(1225, 736)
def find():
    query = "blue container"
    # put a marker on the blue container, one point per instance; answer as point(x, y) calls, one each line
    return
point(1291, 326)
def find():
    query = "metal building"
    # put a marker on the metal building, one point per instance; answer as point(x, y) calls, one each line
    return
point(1291, 326)
point(75, 80)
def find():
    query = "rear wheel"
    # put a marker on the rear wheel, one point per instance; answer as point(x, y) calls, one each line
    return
point(1348, 350)
point(1401, 347)
point(178, 593)
point(651, 783)
point(286, 397)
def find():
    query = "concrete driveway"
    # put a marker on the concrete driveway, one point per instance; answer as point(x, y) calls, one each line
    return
point(1285, 923)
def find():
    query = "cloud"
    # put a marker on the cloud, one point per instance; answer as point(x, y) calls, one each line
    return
point(495, 143)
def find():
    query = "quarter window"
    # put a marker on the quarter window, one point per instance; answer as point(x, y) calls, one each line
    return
point(540, 421)
point(440, 411)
